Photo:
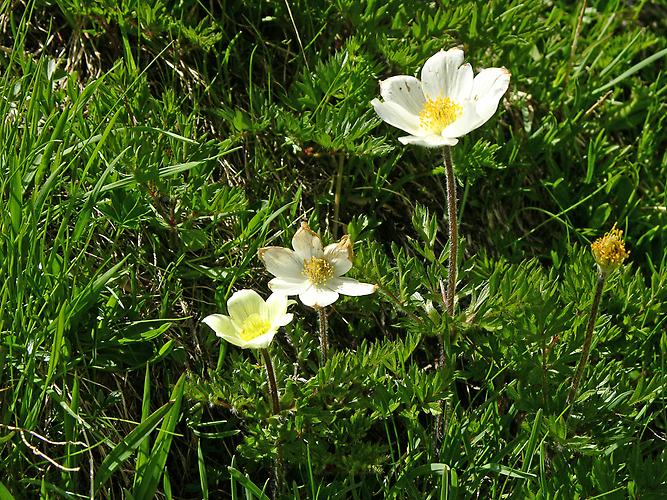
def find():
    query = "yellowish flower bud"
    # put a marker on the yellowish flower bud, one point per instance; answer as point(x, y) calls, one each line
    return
point(609, 251)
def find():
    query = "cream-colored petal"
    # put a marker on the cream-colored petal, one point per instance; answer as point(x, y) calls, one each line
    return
point(220, 324)
point(289, 286)
point(349, 286)
point(439, 75)
point(281, 262)
point(340, 256)
point(406, 91)
point(318, 297)
point(235, 340)
point(284, 320)
point(430, 141)
point(307, 243)
point(398, 117)
point(244, 303)
point(261, 342)
point(276, 306)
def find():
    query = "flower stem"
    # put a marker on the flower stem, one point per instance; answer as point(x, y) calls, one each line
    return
point(337, 194)
point(271, 376)
point(587, 343)
point(452, 272)
point(324, 337)
point(278, 466)
point(453, 229)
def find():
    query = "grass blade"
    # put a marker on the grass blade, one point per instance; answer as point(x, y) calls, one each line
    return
point(126, 447)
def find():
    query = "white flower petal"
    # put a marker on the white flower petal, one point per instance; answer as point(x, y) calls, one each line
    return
point(276, 306)
point(490, 81)
point(349, 286)
point(289, 286)
point(469, 120)
point(462, 83)
point(244, 303)
point(339, 255)
point(406, 91)
point(307, 243)
point(220, 324)
point(317, 296)
point(284, 320)
point(261, 342)
point(439, 75)
point(398, 117)
point(281, 262)
point(430, 141)
point(488, 88)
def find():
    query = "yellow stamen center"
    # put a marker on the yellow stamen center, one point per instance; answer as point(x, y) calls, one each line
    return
point(254, 326)
point(609, 251)
point(318, 271)
point(438, 113)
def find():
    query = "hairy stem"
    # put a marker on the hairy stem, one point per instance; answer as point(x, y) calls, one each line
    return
point(324, 337)
point(271, 376)
point(587, 343)
point(275, 406)
point(451, 284)
point(453, 229)
point(337, 194)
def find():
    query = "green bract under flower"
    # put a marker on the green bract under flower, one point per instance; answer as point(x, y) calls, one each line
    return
point(312, 272)
point(447, 103)
point(252, 322)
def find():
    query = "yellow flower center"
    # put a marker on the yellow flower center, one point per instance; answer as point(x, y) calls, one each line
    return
point(254, 326)
point(318, 271)
point(609, 251)
point(437, 114)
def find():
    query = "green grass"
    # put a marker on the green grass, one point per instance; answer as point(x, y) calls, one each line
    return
point(147, 151)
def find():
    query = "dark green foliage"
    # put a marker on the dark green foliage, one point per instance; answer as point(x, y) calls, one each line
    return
point(148, 149)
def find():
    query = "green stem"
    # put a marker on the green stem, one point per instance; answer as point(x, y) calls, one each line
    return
point(275, 406)
point(587, 343)
point(337, 194)
point(324, 337)
point(453, 230)
point(271, 376)
point(452, 272)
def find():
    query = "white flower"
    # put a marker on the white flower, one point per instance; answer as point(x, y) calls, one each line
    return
point(312, 272)
point(251, 323)
point(446, 104)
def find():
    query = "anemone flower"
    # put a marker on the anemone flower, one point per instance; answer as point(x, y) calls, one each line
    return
point(312, 272)
point(252, 322)
point(446, 104)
